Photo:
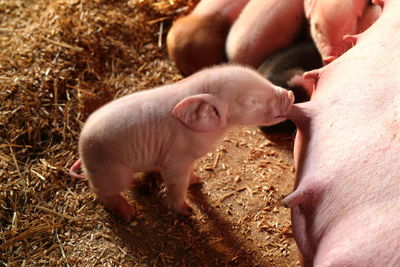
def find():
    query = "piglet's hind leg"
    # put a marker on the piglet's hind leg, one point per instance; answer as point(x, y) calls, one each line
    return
point(119, 206)
point(107, 180)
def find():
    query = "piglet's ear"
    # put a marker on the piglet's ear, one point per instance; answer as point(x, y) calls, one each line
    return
point(202, 112)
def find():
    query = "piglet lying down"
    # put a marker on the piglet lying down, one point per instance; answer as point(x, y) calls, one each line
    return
point(166, 129)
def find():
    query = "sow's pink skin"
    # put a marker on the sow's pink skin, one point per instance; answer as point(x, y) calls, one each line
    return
point(345, 208)
point(332, 20)
point(166, 129)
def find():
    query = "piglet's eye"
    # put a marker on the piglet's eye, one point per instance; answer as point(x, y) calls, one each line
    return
point(216, 111)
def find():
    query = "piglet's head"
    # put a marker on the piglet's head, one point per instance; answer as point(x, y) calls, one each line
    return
point(241, 98)
point(253, 100)
point(262, 107)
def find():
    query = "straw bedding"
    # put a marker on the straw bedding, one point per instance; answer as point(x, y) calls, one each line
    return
point(59, 61)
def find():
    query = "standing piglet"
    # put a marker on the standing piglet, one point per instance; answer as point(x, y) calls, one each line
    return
point(166, 129)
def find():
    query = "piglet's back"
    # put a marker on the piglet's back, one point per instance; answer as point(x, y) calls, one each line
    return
point(128, 127)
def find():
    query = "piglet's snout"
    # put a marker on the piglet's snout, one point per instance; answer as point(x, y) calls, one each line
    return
point(286, 102)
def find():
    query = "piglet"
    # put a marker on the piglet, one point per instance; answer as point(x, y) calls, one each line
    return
point(166, 129)
point(264, 27)
point(331, 21)
point(198, 40)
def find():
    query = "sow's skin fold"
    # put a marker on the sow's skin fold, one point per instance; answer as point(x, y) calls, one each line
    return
point(345, 208)
point(166, 129)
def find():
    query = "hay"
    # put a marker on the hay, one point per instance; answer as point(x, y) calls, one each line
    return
point(59, 61)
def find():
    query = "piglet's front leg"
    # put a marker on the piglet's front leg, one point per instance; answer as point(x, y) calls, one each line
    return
point(177, 181)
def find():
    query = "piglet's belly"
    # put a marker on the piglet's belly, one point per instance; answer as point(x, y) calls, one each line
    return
point(347, 154)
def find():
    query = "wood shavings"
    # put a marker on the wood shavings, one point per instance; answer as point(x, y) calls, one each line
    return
point(216, 161)
point(231, 194)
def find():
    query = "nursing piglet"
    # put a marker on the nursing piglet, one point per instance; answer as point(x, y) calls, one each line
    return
point(166, 129)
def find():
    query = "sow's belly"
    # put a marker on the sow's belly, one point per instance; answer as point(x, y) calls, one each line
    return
point(347, 196)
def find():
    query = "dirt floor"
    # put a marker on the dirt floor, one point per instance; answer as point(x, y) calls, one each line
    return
point(62, 59)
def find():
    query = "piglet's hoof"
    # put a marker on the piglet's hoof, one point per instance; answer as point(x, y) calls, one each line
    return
point(183, 209)
point(194, 179)
point(120, 207)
